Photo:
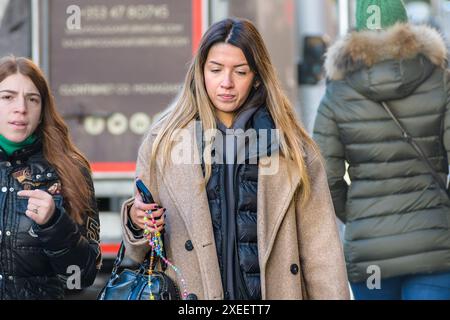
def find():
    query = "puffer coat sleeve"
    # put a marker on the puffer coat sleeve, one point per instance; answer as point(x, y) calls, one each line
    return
point(447, 120)
point(71, 247)
point(326, 136)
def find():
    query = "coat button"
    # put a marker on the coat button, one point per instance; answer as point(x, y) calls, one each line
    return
point(11, 189)
point(8, 164)
point(4, 189)
point(294, 269)
point(191, 296)
point(8, 233)
point(1, 277)
point(188, 245)
point(10, 278)
point(38, 176)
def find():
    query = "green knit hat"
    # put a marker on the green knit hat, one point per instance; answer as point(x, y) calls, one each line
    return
point(379, 14)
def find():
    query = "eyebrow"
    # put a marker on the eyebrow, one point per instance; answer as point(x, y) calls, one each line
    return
point(236, 66)
point(15, 92)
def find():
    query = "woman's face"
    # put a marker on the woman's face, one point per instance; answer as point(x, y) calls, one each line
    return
point(228, 80)
point(20, 107)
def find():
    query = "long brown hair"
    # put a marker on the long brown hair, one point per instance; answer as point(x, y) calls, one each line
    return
point(58, 148)
point(194, 101)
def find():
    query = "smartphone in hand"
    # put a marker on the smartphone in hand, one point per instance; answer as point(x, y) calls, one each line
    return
point(148, 198)
point(144, 192)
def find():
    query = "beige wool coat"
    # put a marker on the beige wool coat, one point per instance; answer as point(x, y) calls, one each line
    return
point(289, 233)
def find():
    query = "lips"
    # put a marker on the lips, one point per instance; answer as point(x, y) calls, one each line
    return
point(227, 97)
point(20, 124)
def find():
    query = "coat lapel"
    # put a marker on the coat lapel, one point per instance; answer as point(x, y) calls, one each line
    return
point(276, 188)
point(185, 189)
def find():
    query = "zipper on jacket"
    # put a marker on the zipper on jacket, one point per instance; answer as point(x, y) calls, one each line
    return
point(4, 222)
point(240, 278)
point(224, 232)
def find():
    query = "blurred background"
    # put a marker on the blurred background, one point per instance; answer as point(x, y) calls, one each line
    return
point(115, 65)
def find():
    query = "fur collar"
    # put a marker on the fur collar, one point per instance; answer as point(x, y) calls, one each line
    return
point(366, 48)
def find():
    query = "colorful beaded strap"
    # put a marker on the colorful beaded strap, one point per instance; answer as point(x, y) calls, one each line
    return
point(156, 243)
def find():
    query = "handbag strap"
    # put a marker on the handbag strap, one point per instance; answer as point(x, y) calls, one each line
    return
point(416, 148)
point(120, 256)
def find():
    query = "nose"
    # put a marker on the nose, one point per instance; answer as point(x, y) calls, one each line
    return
point(21, 105)
point(227, 81)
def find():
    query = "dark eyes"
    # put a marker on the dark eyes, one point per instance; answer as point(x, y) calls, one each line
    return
point(10, 97)
point(241, 73)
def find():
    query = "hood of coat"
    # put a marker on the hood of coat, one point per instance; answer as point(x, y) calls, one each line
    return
point(387, 64)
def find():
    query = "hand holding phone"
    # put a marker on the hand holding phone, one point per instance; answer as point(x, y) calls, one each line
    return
point(159, 219)
point(142, 206)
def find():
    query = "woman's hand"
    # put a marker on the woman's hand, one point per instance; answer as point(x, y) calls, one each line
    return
point(41, 206)
point(138, 213)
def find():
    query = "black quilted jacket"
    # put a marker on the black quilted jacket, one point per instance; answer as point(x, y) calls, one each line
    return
point(40, 262)
point(232, 196)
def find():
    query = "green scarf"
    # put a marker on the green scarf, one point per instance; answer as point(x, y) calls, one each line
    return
point(9, 147)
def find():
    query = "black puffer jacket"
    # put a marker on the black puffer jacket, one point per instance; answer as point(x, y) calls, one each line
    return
point(232, 195)
point(40, 262)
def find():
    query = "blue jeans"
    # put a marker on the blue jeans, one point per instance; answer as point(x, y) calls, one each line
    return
point(414, 287)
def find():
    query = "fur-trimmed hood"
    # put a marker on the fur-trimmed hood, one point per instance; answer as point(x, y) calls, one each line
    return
point(366, 48)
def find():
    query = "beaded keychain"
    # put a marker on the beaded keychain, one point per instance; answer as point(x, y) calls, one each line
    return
point(157, 246)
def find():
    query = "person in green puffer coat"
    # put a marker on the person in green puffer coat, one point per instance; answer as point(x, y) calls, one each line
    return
point(397, 220)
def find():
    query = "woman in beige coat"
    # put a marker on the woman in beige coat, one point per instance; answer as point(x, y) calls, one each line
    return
point(247, 218)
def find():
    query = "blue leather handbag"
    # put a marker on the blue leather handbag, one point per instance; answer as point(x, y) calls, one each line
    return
point(134, 284)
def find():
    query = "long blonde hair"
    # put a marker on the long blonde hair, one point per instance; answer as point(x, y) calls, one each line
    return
point(194, 102)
